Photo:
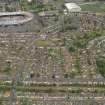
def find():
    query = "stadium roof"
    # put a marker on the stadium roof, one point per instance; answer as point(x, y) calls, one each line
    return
point(72, 7)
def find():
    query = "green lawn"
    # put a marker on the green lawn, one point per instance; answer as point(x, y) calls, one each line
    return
point(97, 7)
point(45, 43)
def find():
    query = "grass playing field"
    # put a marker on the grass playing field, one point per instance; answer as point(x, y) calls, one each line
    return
point(96, 7)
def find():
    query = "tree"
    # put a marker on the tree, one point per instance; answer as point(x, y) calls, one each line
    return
point(100, 62)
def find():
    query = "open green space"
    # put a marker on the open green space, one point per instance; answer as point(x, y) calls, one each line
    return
point(45, 43)
point(94, 7)
point(41, 42)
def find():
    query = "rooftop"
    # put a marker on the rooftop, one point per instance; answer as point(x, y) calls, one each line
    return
point(72, 7)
